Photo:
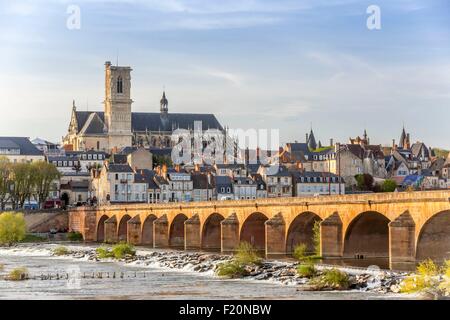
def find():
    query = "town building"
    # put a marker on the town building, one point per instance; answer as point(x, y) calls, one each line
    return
point(244, 188)
point(47, 147)
point(310, 183)
point(278, 180)
point(203, 187)
point(19, 149)
point(224, 188)
point(261, 188)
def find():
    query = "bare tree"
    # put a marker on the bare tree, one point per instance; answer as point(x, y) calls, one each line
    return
point(5, 181)
point(23, 183)
point(44, 176)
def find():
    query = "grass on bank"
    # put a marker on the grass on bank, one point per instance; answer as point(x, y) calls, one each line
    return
point(424, 278)
point(428, 277)
point(307, 270)
point(74, 236)
point(61, 251)
point(246, 255)
point(18, 274)
point(32, 238)
point(331, 279)
point(118, 251)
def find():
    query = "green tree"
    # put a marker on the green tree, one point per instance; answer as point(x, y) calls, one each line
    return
point(5, 181)
point(12, 228)
point(44, 175)
point(388, 185)
point(364, 182)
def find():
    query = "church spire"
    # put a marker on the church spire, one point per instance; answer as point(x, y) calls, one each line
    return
point(402, 142)
point(312, 141)
point(164, 103)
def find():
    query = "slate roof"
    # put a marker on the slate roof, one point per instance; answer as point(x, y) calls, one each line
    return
point(75, 186)
point(258, 180)
point(276, 171)
point(94, 125)
point(310, 175)
point(356, 149)
point(161, 151)
point(419, 147)
point(253, 168)
point(152, 121)
point(119, 158)
point(437, 164)
point(23, 144)
point(223, 181)
point(200, 181)
point(112, 167)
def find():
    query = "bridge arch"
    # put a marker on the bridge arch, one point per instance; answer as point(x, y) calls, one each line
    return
point(147, 230)
point(176, 231)
point(368, 235)
point(122, 228)
point(101, 228)
point(211, 232)
point(434, 238)
point(253, 230)
point(301, 231)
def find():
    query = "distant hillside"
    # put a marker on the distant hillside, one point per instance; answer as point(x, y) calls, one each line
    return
point(441, 152)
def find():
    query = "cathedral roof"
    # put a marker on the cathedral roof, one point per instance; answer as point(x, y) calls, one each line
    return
point(152, 121)
point(93, 125)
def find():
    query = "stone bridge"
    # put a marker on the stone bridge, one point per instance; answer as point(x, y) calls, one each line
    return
point(405, 227)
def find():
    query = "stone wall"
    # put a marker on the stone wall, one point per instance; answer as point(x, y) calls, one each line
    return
point(42, 221)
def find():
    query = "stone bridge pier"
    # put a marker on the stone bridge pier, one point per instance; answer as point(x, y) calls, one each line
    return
point(402, 227)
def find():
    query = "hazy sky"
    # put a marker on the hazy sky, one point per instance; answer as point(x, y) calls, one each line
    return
point(253, 63)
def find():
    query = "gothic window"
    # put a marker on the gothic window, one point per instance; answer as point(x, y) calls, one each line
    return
point(119, 85)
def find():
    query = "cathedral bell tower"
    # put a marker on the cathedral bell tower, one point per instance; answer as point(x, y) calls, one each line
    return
point(118, 105)
point(164, 104)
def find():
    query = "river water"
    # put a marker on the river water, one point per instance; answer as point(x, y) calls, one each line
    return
point(136, 281)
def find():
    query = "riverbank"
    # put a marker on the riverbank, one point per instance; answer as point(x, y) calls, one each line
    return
point(269, 271)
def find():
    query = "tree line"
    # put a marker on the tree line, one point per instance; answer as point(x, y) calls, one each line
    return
point(23, 181)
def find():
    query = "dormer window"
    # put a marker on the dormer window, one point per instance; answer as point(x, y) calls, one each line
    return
point(119, 85)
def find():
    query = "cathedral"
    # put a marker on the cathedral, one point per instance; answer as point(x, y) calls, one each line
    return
point(117, 126)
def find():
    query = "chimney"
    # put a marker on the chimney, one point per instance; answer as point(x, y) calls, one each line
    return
point(337, 146)
point(331, 142)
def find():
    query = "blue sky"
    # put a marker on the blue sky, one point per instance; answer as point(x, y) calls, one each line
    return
point(254, 63)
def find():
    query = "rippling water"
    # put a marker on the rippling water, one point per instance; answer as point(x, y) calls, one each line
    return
point(138, 282)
